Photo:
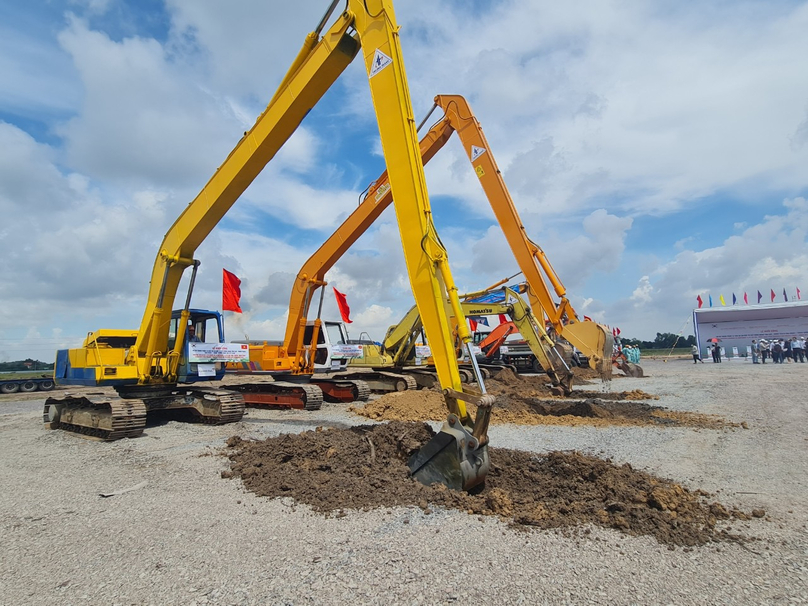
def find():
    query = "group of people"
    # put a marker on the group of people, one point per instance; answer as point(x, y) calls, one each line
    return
point(776, 350)
point(713, 348)
point(779, 350)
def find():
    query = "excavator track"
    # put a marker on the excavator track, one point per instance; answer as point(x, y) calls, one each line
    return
point(96, 415)
point(281, 394)
point(215, 406)
point(381, 381)
point(343, 390)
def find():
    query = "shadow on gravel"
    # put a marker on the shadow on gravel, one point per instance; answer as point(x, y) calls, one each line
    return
point(364, 468)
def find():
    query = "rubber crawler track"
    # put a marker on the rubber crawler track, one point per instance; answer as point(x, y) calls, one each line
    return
point(310, 396)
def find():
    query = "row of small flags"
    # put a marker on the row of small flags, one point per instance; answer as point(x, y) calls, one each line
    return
point(700, 301)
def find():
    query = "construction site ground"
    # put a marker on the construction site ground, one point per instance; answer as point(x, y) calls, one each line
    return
point(687, 486)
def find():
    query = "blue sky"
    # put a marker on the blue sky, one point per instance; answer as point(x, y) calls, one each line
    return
point(656, 151)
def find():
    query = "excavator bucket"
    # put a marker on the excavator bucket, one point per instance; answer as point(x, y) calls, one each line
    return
point(456, 457)
point(596, 342)
point(453, 458)
point(629, 368)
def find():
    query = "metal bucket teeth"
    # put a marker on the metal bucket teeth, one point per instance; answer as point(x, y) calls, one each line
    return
point(453, 458)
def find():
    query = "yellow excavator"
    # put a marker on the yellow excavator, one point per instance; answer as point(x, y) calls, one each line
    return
point(397, 350)
point(145, 373)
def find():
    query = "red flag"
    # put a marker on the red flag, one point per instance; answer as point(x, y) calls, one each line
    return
point(772, 295)
point(473, 324)
point(745, 299)
point(618, 331)
point(700, 301)
point(342, 303)
point(587, 319)
point(614, 332)
point(503, 319)
point(798, 294)
point(231, 292)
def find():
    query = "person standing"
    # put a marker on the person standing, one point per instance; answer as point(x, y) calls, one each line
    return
point(788, 350)
point(777, 352)
point(755, 351)
point(764, 350)
point(694, 349)
point(713, 347)
point(799, 352)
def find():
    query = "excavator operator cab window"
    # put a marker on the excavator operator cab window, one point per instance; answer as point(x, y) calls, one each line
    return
point(308, 332)
point(335, 333)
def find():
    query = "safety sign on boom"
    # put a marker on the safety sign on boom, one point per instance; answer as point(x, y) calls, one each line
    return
point(476, 152)
point(380, 61)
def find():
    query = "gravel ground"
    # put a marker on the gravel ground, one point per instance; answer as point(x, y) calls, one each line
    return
point(189, 537)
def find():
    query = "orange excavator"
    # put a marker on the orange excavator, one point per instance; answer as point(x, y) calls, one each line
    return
point(294, 355)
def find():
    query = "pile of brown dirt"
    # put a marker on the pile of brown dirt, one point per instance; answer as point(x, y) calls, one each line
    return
point(529, 408)
point(365, 467)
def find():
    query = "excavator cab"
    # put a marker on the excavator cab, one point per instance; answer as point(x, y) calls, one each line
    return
point(205, 330)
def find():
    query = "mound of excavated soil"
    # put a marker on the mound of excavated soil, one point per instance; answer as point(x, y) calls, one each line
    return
point(365, 467)
point(525, 405)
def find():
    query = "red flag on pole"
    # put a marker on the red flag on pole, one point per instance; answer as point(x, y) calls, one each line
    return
point(745, 299)
point(587, 319)
point(699, 301)
point(473, 324)
point(798, 295)
point(618, 331)
point(231, 292)
point(342, 303)
point(773, 295)
point(503, 319)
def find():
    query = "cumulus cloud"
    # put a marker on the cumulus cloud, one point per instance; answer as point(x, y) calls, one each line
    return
point(769, 255)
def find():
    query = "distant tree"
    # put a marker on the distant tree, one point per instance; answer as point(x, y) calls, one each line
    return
point(664, 340)
point(27, 364)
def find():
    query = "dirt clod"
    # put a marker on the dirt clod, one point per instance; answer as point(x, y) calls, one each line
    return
point(331, 471)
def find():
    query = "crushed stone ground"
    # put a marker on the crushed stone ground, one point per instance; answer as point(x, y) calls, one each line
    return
point(525, 400)
point(364, 467)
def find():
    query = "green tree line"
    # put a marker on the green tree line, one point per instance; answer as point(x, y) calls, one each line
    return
point(22, 365)
point(664, 340)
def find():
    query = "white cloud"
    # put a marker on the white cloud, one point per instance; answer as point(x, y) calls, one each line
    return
point(769, 255)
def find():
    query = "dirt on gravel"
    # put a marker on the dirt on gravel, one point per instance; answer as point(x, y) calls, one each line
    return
point(364, 468)
point(525, 400)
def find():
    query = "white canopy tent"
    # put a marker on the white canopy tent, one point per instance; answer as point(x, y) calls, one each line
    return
point(736, 326)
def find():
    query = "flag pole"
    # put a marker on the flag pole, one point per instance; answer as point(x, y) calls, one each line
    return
point(679, 336)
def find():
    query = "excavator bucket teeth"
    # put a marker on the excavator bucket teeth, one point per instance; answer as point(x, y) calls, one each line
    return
point(453, 458)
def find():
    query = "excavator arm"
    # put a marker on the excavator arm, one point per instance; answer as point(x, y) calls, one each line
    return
point(537, 339)
point(591, 338)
